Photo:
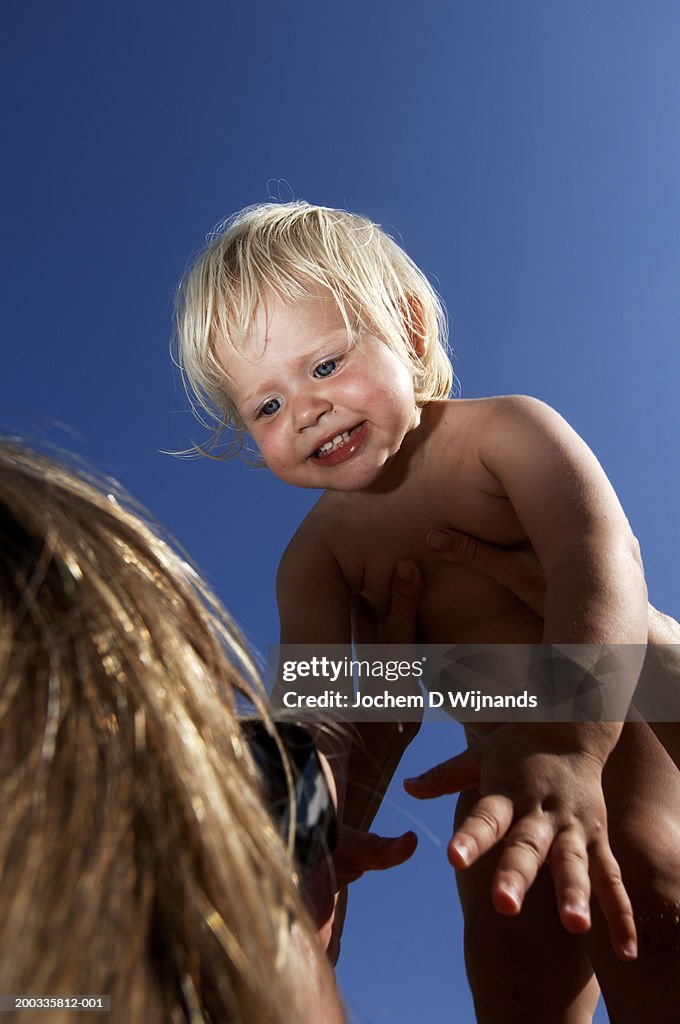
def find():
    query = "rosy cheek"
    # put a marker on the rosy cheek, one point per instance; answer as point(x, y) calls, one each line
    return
point(274, 457)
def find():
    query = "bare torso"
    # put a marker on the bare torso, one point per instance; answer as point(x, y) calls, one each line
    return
point(439, 479)
point(441, 482)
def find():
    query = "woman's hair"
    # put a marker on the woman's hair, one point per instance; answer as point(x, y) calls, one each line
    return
point(292, 250)
point(136, 857)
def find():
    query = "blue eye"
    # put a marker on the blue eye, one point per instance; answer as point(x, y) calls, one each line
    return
point(326, 368)
point(270, 407)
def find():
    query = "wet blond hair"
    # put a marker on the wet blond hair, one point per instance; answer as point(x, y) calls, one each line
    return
point(292, 250)
point(136, 857)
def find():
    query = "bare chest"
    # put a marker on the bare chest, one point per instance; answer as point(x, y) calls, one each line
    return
point(459, 604)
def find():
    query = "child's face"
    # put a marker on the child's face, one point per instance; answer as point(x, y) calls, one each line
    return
point(324, 412)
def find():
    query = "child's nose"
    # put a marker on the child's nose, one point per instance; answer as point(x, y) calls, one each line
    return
point(309, 409)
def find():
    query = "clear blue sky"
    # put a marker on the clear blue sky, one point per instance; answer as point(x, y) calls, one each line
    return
point(528, 156)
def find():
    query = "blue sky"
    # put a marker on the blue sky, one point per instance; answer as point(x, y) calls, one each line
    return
point(526, 154)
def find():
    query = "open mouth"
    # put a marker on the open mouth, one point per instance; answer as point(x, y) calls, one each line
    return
point(335, 444)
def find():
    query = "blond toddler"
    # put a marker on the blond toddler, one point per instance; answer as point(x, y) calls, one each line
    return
point(310, 331)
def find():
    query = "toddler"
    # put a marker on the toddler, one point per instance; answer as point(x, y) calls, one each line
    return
point(312, 332)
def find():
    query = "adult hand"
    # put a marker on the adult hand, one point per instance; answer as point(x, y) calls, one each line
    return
point(515, 568)
point(399, 625)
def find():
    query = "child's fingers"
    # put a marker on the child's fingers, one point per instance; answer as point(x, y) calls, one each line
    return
point(526, 848)
point(569, 866)
point(379, 853)
point(483, 827)
point(365, 851)
point(575, 872)
point(611, 894)
point(460, 772)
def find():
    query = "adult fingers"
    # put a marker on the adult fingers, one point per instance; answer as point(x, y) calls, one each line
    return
point(611, 894)
point(460, 772)
point(507, 567)
point(399, 626)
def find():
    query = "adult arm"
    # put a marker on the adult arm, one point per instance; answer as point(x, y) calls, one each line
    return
point(314, 603)
point(314, 609)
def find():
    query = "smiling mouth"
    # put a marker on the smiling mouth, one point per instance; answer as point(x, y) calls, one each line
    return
point(335, 443)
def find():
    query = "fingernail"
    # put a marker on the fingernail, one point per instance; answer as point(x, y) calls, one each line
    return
point(463, 850)
point(438, 540)
point(511, 890)
point(630, 951)
point(578, 907)
point(404, 572)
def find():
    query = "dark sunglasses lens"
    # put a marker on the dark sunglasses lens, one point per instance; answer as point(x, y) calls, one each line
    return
point(315, 828)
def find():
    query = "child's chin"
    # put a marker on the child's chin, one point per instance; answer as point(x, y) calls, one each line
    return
point(347, 477)
point(358, 481)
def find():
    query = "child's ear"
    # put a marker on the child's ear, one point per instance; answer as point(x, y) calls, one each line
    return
point(415, 324)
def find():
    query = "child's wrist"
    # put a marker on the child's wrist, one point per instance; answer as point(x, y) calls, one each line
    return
point(596, 739)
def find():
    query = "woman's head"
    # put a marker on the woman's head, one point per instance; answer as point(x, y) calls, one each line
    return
point(136, 857)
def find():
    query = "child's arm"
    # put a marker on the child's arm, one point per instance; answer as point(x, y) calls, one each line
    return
point(595, 582)
point(658, 693)
point(541, 782)
point(313, 596)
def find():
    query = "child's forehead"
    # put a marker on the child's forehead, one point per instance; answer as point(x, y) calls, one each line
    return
point(279, 322)
point(281, 330)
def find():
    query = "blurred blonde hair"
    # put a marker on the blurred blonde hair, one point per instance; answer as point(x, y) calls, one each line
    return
point(291, 250)
point(136, 857)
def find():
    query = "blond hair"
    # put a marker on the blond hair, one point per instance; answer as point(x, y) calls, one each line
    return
point(290, 250)
point(136, 857)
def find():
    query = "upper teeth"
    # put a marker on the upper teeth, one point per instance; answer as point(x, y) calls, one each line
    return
point(338, 440)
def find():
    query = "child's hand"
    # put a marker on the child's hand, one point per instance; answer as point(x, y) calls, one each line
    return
point(355, 853)
point(358, 852)
point(543, 799)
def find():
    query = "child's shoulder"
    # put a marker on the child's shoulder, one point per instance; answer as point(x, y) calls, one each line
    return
point(322, 551)
point(312, 540)
point(481, 421)
point(493, 408)
point(515, 430)
point(312, 592)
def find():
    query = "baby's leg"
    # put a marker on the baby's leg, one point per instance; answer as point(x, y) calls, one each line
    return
point(642, 787)
point(524, 969)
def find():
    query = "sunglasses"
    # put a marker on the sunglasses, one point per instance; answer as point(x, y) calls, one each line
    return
point(314, 829)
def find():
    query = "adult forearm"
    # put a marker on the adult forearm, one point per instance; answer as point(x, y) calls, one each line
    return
point(376, 752)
